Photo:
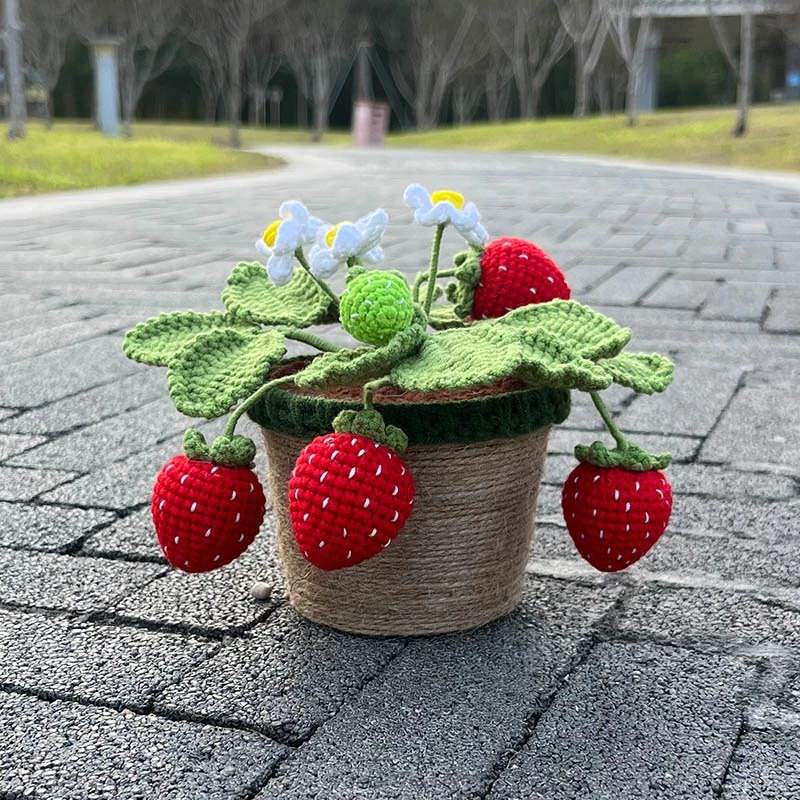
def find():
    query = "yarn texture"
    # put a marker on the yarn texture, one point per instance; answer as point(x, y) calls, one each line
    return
point(205, 515)
point(615, 516)
point(375, 306)
point(349, 497)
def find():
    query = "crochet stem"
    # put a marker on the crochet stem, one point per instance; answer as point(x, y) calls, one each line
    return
point(433, 269)
point(622, 443)
point(312, 339)
point(300, 256)
point(372, 387)
point(249, 402)
point(422, 277)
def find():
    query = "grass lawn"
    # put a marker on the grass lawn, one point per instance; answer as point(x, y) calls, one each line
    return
point(698, 136)
point(73, 156)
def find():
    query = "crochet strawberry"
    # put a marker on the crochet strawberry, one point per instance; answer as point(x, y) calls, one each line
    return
point(350, 492)
point(508, 274)
point(615, 515)
point(207, 505)
point(376, 305)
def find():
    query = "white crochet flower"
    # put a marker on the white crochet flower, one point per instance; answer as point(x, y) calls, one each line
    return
point(446, 206)
point(293, 228)
point(338, 243)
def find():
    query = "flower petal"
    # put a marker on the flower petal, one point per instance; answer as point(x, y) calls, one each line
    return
point(322, 262)
point(294, 209)
point(417, 197)
point(373, 256)
point(289, 236)
point(262, 248)
point(347, 241)
point(280, 267)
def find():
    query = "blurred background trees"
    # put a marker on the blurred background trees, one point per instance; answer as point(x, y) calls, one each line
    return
point(435, 61)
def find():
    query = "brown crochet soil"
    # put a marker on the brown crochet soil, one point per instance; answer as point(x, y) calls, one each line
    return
point(391, 394)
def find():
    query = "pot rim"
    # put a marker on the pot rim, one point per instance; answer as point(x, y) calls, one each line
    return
point(494, 415)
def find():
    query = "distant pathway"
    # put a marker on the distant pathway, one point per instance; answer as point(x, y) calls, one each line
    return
point(678, 679)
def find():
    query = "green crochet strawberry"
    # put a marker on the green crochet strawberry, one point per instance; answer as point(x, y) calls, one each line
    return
point(508, 274)
point(376, 305)
point(207, 505)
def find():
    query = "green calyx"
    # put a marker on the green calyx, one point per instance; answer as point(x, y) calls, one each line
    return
point(467, 273)
point(376, 305)
point(625, 455)
point(630, 457)
point(369, 423)
point(228, 451)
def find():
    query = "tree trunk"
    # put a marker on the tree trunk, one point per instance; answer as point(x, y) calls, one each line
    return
point(48, 109)
point(744, 86)
point(630, 96)
point(234, 96)
point(17, 112)
point(581, 80)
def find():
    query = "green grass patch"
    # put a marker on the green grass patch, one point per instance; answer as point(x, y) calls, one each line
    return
point(73, 156)
point(700, 136)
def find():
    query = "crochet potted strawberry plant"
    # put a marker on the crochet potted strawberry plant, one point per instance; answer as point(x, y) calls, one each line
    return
point(404, 472)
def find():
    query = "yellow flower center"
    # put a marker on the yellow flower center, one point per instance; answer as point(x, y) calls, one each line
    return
point(271, 233)
point(331, 234)
point(456, 198)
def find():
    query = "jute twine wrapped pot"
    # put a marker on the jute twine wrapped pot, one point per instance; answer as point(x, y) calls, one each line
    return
point(460, 560)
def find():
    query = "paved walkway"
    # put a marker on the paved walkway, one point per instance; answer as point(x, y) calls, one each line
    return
point(679, 679)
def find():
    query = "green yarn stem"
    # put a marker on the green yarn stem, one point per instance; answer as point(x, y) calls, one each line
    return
point(422, 277)
point(248, 403)
point(433, 269)
point(312, 339)
point(621, 441)
point(372, 387)
point(300, 256)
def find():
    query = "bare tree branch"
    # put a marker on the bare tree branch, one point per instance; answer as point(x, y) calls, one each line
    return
point(583, 21)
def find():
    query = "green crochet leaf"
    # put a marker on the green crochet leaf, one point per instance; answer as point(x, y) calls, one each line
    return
point(645, 373)
point(443, 317)
point(250, 295)
point(220, 368)
point(354, 367)
point(573, 325)
point(158, 340)
point(554, 347)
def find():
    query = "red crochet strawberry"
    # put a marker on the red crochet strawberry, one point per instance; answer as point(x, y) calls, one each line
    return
point(615, 515)
point(350, 494)
point(508, 274)
point(207, 505)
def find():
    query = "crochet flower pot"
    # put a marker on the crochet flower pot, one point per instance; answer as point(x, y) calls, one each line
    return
point(404, 472)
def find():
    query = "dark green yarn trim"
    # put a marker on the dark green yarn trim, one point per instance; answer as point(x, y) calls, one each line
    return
point(460, 421)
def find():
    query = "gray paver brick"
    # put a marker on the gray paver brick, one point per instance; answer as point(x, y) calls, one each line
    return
point(626, 286)
point(710, 617)
point(760, 426)
point(64, 751)
point(464, 699)
point(87, 407)
point(683, 448)
point(285, 677)
point(22, 483)
point(757, 519)
point(784, 312)
point(120, 666)
point(765, 766)
point(132, 537)
point(109, 440)
point(79, 366)
point(736, 301)
point(216, 602)
point(12, 443)
point(621, 728)
point(690, 406)
point(45, 580)
point(46, 527)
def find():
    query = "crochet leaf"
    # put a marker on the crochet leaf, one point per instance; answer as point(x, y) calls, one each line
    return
point(573, 325)
point(547, 354)
point(159, 339)
point(645, 373)
point(354, 367)
point(250, 295)
point(220, 367)
point(443, 317)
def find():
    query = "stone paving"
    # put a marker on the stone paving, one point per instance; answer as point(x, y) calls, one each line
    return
point(677, 679)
